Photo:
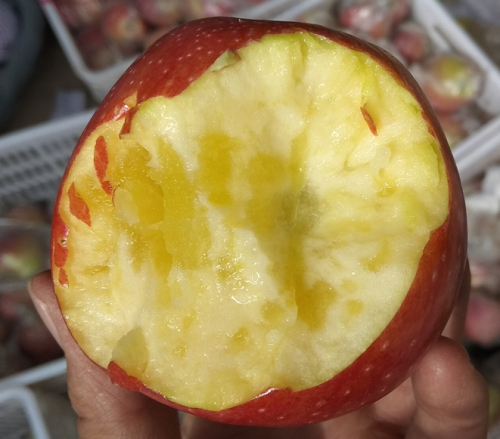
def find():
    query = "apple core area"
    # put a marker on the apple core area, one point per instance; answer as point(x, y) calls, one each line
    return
point(259, 230)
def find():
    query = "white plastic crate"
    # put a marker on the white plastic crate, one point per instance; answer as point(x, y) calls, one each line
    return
point(34, 404)
point(472, 153)
point(32, 161)
point(100, 82)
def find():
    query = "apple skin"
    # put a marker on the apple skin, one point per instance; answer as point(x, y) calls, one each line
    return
point(166, 69)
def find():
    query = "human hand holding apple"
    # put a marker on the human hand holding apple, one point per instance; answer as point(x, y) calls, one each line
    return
point(289, 178)
point(444, 397)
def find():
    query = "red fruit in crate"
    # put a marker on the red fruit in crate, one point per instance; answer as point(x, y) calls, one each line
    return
point(38, 344)
point(209, 8)
point(122, 23)
point(411, 41)
point(31, 213)
point(78, 13)
point(17, 307)
point(160, 12)
point(400, 11)
point(275, 222)
point(453, 128)
point(21, 255)
point(451, 81)
point(366, 17)
point(96, 49)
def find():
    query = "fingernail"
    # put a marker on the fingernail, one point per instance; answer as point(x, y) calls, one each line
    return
point(43, 312)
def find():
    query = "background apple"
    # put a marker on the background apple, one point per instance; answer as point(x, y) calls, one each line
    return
point(373, 18)
point(276, 224)
point(96, 48)
point(411, 41)
point(22, 254)
point(122, 23)
point(451, 81)
point(208, 8)
point(159, 12)
point(77, 13)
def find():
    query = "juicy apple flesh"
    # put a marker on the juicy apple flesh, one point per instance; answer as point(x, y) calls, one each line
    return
point(257, 231)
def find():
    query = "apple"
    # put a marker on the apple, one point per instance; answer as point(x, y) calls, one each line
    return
point(22, 254)
point(400, 11)
point(122, 23)
point(262, 224)
point(29, 213)
point(209, 8)
point(412, 41)
point(37, 343)
point(79, 13)
point(160, 12)
point(372, 18)
point(16, 306)
point(97, 50)
point(453, 128)
point(451, 81)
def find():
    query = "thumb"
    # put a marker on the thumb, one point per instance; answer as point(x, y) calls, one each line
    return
point(104, 409)
point(451, 396)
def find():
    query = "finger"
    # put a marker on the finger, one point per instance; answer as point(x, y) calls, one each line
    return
point(398, 407)
point(455, 326)
point(451, 396)
point(104, 410)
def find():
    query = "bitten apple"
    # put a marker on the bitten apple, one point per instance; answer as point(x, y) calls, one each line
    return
point(262, 224)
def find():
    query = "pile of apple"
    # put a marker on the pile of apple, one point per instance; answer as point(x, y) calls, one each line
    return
point(24, 339)
point(451, 81)
point(109, 31)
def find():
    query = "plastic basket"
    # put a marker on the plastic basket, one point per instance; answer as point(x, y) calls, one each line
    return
point(32, 161)
point(100, 82)
point(446, 34)
point(34, 404)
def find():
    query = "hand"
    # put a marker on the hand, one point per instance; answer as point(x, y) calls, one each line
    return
point(445, 397)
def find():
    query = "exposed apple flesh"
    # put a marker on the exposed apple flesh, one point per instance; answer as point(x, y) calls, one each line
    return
point(252, 243)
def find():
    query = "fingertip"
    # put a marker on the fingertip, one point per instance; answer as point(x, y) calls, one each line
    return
point(41, 290)
point(451, 395)
point(40, 284)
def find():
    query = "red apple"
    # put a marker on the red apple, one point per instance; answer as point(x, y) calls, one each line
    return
point(22, 254)
point(97, 50)
point(401, 10)
point(78, 13)
point(30, 213)
point(208, 8)
point(37, 343)
point(451, 81)
point(453, 128)
point(122, 23)
point(412, 41)
point(160, 12)
point(367, 17)
point(16, 307)
point(262, 224)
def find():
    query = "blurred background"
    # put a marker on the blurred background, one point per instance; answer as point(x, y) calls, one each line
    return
point(59, 58)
